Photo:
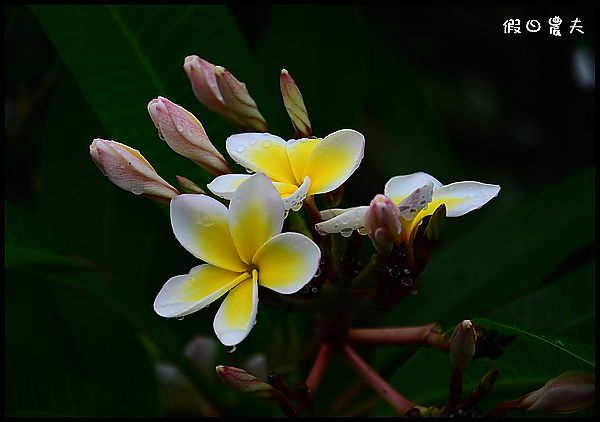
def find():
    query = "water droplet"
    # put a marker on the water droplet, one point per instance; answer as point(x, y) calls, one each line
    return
point(240, 149)
point(207, 221)
point(254, 323)
point(180, 128)
point(346, 232)
point(249, 171)
point(137, 189)
point(180, 319)
point(314, 290)
point(297, 206)
point(345, 220)
point(363, 231)
point(266, 144)
point(253, 142)
point(394, 271)
point(406, 271)
point(318, 273)
point(336, 226)
point(285, 214)
point(231, 349)
point(406, 281)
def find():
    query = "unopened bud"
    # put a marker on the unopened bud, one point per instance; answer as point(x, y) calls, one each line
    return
point(185, 135)
point(294, 104)
point(569, 392)
point(462, 345)
point(187, 186)
point(201, 75)
point(243, 382)
point(382, 223)
point(129, 170)
point(238, 100)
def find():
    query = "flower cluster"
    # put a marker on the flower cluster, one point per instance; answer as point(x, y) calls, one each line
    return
point(242, 244)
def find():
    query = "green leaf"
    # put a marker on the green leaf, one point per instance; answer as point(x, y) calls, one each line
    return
point(525, 365)
point(66, 342)
point(564, 308)
point(123, 56)
point(38, 388)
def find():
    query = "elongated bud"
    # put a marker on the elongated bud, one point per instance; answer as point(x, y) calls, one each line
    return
point(382, 223)
point(569, 392)
point(462, 345)
point(201, 75)
point(129, 170)
point(187, 186)
point(185, 135)
point(238, 100)
point(294, 104)
point(242, 381)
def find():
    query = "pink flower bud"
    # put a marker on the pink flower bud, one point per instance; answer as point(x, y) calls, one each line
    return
point(201, 75)
point(188, 186)
point(569, 392)
point(242, 381)
point(238, 100)
point(382, 223)
point(129, 170)
point(294, 104)
point(185, 135)
point(462, 345)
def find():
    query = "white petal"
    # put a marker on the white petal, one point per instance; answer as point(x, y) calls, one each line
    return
point(332, 212)
point(183, 294)
point(225, 185)
point(399, 187)
point(201, 225)
point(255, 215)
point(294, 201)
point(463, 197)
point(236, 315)
point(287, 262)
point(410, 206)
point(345, 223)
point(262, 153)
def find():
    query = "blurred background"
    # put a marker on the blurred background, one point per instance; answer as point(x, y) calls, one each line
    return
point(440, 89)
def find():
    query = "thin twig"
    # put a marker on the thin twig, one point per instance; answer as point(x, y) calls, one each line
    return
point(386, 391)
point(426, 335)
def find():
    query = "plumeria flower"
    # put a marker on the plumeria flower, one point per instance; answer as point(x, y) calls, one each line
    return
point(298, 167)
point(243, 247)
point(416, 195)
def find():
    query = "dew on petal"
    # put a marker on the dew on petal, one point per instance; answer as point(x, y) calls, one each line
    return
point(266, 144)
point(240, 149)
point(296, 207)
point(137, 189)
point(346, 232)
point(231, 349)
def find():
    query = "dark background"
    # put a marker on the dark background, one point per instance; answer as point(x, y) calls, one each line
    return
point(439, 89)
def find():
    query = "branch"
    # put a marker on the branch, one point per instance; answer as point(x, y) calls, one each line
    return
point(427, 335)
point(386, 391)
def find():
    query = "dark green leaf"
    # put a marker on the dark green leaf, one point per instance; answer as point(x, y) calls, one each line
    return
point(525, 365)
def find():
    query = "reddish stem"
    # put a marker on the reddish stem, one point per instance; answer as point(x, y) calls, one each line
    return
point(316, 373)
point(426, 335)
point(381, 387)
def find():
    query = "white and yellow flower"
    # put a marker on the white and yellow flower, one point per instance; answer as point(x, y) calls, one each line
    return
point(416, 195)
point(298, 167)
point(243, 247)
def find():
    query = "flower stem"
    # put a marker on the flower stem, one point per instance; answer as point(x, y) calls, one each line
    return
point(381, 387)
point(426, 335)
point(318, 369)
point(504, 407)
